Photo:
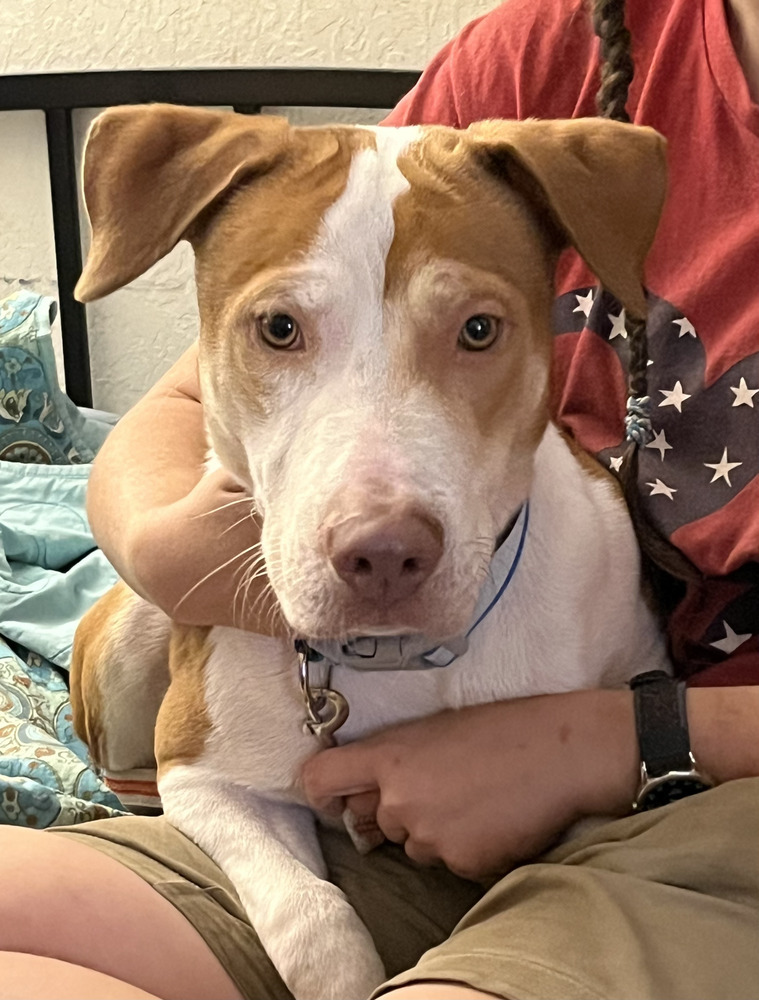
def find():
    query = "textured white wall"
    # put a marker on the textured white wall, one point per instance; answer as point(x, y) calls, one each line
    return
point(138, 331)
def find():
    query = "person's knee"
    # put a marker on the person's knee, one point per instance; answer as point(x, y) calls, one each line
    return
point(35, 977)
point(30, 888)
point(63, 899)
point(53, 889)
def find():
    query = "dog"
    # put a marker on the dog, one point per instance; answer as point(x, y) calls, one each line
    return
point(375, 344)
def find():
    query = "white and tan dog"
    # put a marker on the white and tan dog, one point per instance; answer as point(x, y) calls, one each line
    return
point(374, 354)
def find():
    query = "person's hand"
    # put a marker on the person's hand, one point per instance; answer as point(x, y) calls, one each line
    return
point(486, 787)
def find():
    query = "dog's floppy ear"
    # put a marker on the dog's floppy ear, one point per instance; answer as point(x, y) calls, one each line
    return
point(149, 170)
point(602, 182)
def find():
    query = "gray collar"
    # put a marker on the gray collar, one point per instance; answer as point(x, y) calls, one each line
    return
point(414, 652)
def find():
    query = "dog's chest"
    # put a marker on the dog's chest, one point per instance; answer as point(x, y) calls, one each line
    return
point(553, 629)
point(258, 711)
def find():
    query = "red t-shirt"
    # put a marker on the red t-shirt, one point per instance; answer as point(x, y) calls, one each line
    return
point(699, 477)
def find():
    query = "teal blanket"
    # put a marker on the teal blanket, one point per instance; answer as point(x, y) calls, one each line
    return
point(50, 574)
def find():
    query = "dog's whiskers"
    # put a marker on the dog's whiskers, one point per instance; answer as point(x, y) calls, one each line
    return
point(254, 568)
point(274, 610)
point(249, 570)
point(218, 569)
point(246, 499)
point(482, 547)
point(245, 585)
point(247, 517)
point(256, 560)
point(257, 568)
point(260, 600)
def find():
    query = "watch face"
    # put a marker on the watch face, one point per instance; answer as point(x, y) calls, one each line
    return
point(671, 790)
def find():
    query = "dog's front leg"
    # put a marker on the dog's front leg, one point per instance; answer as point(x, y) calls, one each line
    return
point(270, 851)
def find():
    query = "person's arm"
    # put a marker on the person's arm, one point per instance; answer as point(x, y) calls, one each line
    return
point(484, 788)
point(180, 538)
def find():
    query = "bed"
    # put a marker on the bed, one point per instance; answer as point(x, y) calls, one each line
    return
point(50, 568)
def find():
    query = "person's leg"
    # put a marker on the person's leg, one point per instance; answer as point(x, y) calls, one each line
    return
point(406, 908)
point(664, 904)
point(32, 977)
point(62, 900)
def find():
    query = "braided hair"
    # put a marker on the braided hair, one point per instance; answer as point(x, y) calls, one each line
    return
point(608, 19)
point(616, 62)
point(611, 100)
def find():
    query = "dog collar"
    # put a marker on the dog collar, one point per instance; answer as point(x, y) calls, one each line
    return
point(416, 652)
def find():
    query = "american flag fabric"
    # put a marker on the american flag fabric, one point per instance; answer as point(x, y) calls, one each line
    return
point(698, 480)
point(698, 477)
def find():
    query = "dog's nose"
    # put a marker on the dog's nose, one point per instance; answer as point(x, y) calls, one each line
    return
point(385, 555)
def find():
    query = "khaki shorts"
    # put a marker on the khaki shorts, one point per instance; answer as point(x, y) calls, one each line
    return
point(661, 905)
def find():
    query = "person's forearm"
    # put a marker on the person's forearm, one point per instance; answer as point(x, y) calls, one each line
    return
point(153, 457)
point(181, 538)
point(199, 560)
point(724, 732)
point(486, 787)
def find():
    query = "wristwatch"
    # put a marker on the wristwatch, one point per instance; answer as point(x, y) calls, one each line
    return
point(668, 769)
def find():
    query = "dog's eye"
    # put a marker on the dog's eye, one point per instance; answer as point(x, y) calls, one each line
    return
point(279, 330)
point(479, 333)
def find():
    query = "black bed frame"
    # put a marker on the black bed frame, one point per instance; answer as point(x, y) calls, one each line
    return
point(246, 90)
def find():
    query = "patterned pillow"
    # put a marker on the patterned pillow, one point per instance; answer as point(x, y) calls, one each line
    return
point(38, 422)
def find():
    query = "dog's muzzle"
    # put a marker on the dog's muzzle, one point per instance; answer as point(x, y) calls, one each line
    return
point(417, 652)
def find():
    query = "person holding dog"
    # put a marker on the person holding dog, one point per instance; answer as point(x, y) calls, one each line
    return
point(662, 903)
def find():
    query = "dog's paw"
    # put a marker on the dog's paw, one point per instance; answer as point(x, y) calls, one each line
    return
point(326, 952)
point(363, 831)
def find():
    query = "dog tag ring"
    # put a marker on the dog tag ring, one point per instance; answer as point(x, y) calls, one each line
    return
point(331, 710)
point(326, 709)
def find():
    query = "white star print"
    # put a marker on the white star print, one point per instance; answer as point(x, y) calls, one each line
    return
point(616, 463)
point(660, 487)
point(660, 443)
point(584, 303)
point(743, 394)
point(617, 326)
point(731, 641)
point(722, 468)
point(675, 397)
point(685, 327)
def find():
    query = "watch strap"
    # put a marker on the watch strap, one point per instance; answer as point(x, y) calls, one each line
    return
point(661, 723)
